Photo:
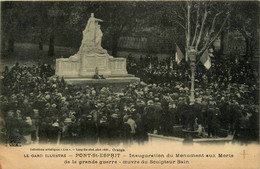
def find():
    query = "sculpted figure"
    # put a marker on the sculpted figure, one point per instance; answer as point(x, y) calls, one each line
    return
point(99, 35)
point(92, 37)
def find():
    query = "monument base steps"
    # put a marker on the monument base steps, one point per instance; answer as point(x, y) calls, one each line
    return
point(115, 83)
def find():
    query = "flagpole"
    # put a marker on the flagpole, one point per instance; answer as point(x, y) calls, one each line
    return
point(192, 56)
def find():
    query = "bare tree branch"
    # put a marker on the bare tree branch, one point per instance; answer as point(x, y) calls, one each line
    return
point(206, 46)
point(213, 26)
point(184, 27)
point(197, 26)
point(182, 18)
point(201, 29)
point(214, 23)
point(184, 10)
point(188, 26)
point(246, 32)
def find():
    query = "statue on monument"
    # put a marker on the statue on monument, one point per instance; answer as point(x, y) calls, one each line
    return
point(92, 37)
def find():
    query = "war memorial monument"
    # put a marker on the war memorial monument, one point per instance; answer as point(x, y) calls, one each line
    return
point(92, 60)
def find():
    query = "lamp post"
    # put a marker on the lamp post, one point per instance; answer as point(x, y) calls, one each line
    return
point(192, 56)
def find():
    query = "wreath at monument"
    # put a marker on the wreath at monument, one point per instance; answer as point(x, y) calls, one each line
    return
point(97, 76)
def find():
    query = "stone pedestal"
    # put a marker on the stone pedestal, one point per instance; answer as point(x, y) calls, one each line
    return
point(85, 66)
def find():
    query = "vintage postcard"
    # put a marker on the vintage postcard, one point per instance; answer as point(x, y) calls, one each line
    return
point(129, 84)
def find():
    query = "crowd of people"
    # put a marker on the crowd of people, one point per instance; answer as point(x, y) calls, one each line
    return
point(39, 107)
point(230, 85)
point(224, 71)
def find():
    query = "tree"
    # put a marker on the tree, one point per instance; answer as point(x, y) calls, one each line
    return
point(120, 19)
point(162, 24)
point(47, 22)
point(245, 19)
point(23, 20)
point(10, 12)
point(56, 19)
point(116, 18)
point(202, 23)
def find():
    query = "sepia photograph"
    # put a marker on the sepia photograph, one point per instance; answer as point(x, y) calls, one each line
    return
point(138, 84)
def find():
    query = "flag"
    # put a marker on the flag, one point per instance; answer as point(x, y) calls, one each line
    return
point(171, 64)
point(205, 59)
point(179, 55)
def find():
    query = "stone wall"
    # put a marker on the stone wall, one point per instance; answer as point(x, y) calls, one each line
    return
point(65, 67)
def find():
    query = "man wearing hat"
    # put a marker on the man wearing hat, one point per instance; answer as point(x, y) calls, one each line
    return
point(212, 120)
point(132, 125)
point(103, 131)
point(91, 130)
point(73, 130)
point(115, 127)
